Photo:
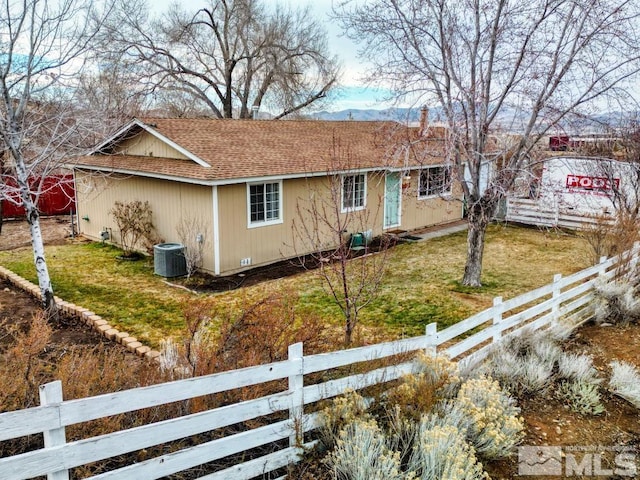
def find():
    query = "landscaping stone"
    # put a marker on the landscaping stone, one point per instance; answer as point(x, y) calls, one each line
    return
point(132, 346)
point(111, 333)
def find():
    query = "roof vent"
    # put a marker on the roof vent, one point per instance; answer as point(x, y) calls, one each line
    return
point(169, 260)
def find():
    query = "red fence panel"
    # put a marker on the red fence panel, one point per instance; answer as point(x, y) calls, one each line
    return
point(57, 197)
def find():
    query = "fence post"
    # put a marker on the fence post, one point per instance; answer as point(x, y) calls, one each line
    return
point(296, 385)
point(498, 310)
point(555, 294)
point(51, 394)
point(602, 270)
point(431, 341)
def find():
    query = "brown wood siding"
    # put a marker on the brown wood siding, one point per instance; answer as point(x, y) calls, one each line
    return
point(271, 243)
point(146, 145)
point(170, 201)
point(425, 212)
point(264, 244)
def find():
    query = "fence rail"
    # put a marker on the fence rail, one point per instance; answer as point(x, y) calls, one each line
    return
point(532, 212)
point(566, 297)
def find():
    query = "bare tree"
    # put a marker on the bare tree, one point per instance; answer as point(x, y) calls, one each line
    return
point(190, 230)
point(108, 97)
point(497, 65)
point(231, 56)
point(42, 44)
point(332, 223)
point(617, 232)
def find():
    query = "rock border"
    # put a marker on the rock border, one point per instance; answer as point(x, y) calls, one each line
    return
point(86, 316)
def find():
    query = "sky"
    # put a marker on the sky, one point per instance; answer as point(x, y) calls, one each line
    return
point(352, 92)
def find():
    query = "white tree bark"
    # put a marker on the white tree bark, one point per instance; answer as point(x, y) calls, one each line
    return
point(43, 44)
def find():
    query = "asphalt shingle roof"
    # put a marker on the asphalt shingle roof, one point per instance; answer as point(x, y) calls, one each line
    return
point(240, 149)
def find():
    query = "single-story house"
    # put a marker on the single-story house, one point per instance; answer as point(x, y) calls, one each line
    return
point(248, 183)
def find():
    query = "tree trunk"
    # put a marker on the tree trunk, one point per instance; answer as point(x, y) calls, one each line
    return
point(475, 251)
point(44, 281)
point(37, 243)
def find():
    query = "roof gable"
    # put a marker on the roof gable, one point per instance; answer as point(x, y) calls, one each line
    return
point(138, 128)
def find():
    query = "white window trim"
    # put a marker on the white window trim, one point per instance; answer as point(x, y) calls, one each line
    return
point(344, 209)
point(264, 223)
point(436, 195)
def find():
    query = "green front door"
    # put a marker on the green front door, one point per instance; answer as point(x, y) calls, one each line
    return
point(392, 199)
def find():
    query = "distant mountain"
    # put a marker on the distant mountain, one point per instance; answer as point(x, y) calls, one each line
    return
point(398, 114)
point(510, 119)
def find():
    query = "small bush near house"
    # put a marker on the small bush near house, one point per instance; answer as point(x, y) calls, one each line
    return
point(135, 221)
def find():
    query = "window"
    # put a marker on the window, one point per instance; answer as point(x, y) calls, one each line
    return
point(434, 181)
point(353, 192)
point(264, 203)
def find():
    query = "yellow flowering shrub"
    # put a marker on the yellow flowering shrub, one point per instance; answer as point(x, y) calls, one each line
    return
point(494, 426)
point(361, 453)
point(442, 452)
point(436, 379)
point(342, 411)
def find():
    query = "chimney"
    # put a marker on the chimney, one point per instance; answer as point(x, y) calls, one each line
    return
point(424, 120)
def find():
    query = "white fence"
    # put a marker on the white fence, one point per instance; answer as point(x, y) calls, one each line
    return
point(532, 212)
point(566, 297)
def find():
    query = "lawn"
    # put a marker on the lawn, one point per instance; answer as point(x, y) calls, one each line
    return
point(420, 286)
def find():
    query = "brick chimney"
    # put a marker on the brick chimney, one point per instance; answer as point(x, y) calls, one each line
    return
point(424, 120)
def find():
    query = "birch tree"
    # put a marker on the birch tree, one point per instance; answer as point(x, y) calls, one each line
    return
point(496, 66)
point(232, 56)
point(42, 43)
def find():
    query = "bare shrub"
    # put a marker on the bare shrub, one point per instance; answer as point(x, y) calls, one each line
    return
point(221, 336)
point(135, 222)
point(21, 366)
point(625, 382)
point(607, 237)
point(190, 231)
point(27, 363)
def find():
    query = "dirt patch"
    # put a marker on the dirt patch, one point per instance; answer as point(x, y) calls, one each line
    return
point(15, 233)
point(549, 422)
point(17, 308)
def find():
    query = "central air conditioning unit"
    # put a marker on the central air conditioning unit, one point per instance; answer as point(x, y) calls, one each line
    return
point(169, 260)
